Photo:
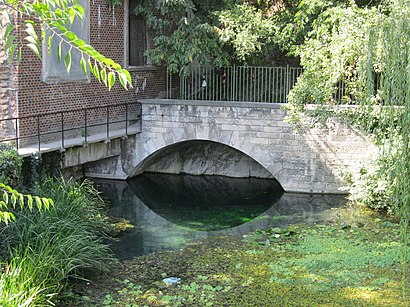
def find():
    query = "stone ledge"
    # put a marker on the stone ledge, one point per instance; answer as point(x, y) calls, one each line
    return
point(221, 104)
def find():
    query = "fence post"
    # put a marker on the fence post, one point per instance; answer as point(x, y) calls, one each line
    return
point(62, 130)
point(38, 133)
point(85, 126)
point(287, 82)
point(17, 134)
point(108, 122)
point(126, 119)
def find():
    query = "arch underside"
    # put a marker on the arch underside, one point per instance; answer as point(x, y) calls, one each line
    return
point(202, 157)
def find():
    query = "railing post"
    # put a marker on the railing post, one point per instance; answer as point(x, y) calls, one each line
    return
point(108, 122)
point(38, 133)
point(62, 130)
point(287, 82)
point(85, 126)
point(126, 119)
point(167, 84)
point(17, 134)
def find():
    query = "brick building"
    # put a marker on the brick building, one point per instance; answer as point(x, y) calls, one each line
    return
point(27, 91)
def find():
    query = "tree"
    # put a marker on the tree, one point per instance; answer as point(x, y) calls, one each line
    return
point(211, 32)
point(55, 17)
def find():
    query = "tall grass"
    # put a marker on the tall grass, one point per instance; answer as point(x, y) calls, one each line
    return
point(48, 247)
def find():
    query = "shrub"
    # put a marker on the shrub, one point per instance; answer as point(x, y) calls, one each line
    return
point(372, 185)
point(10, 165)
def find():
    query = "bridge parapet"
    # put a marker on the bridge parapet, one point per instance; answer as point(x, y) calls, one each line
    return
point(313, 160)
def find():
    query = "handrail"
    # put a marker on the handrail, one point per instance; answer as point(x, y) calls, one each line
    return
point(23, 125)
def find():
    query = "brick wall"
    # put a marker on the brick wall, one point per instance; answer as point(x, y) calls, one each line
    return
point(37, 97)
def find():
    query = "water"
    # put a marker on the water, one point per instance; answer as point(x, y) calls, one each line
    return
point(169, 211)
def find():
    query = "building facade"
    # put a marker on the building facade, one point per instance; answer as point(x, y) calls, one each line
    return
point(27, 91)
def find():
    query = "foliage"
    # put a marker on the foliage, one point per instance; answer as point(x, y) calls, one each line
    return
point(330, 57)
point(14, 199)
point(210, 32)
point(370, 188)
point(10, 165)
point(10, 169)
point(47, 247)
point(244, 29)
point(56, 17)
point(388, 52)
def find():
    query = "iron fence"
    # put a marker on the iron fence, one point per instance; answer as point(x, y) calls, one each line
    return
point(70, 128)
point(237, 83)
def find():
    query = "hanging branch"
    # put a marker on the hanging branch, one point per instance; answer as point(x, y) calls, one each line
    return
point(58, 16)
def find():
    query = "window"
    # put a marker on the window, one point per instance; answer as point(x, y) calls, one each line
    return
point(52, 70)
point(137, 37)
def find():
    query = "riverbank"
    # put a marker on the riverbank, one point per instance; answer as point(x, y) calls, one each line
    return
point(354, 260)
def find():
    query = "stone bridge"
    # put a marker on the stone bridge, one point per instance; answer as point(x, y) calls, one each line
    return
point(235, 139)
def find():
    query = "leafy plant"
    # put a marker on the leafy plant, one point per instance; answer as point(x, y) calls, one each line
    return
point(10, 165)
point(56, 17)
point(48, 247)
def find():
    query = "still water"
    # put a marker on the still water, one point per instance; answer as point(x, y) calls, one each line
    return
point(169, 211)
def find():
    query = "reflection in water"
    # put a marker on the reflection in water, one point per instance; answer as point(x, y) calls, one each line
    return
point(172, 210)
point(206, 202)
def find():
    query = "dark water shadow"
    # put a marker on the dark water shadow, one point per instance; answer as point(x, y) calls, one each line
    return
point(169, 211)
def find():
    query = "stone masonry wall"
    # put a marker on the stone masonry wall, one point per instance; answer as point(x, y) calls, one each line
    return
point(313, 160)
point(7, 93)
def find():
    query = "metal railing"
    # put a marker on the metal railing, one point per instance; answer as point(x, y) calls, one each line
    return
point(240, 83)
point(63, 129)
point(237, 83)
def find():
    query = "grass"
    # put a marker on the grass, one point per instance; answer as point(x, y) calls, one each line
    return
point(48, 247)
point(349, 262)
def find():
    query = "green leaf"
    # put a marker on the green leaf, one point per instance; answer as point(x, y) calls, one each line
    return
point(12, 50)
point(128, 76)
point(30, 29)
point(83, 65)
point(67, 61)
point(21, 201)
point(39, 203)
point(111, 79)
point(32, 40)
point(123, 80)
point(103, 75)
point(13, 200)
point(30, 202)
point(45, 203)
point(49, 43)
point(59, 52)
point(9, 42)
point(10, 27)
point(6, 198)
point(35, 49)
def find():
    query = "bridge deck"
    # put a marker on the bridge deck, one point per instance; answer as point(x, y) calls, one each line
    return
point(94, 135)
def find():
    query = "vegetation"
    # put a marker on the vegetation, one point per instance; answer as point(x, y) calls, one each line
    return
point(10, 174)
point(57, 18)
point(48, 247)
point(353, 261)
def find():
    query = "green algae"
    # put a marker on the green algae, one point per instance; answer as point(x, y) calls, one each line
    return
point(344, 263)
